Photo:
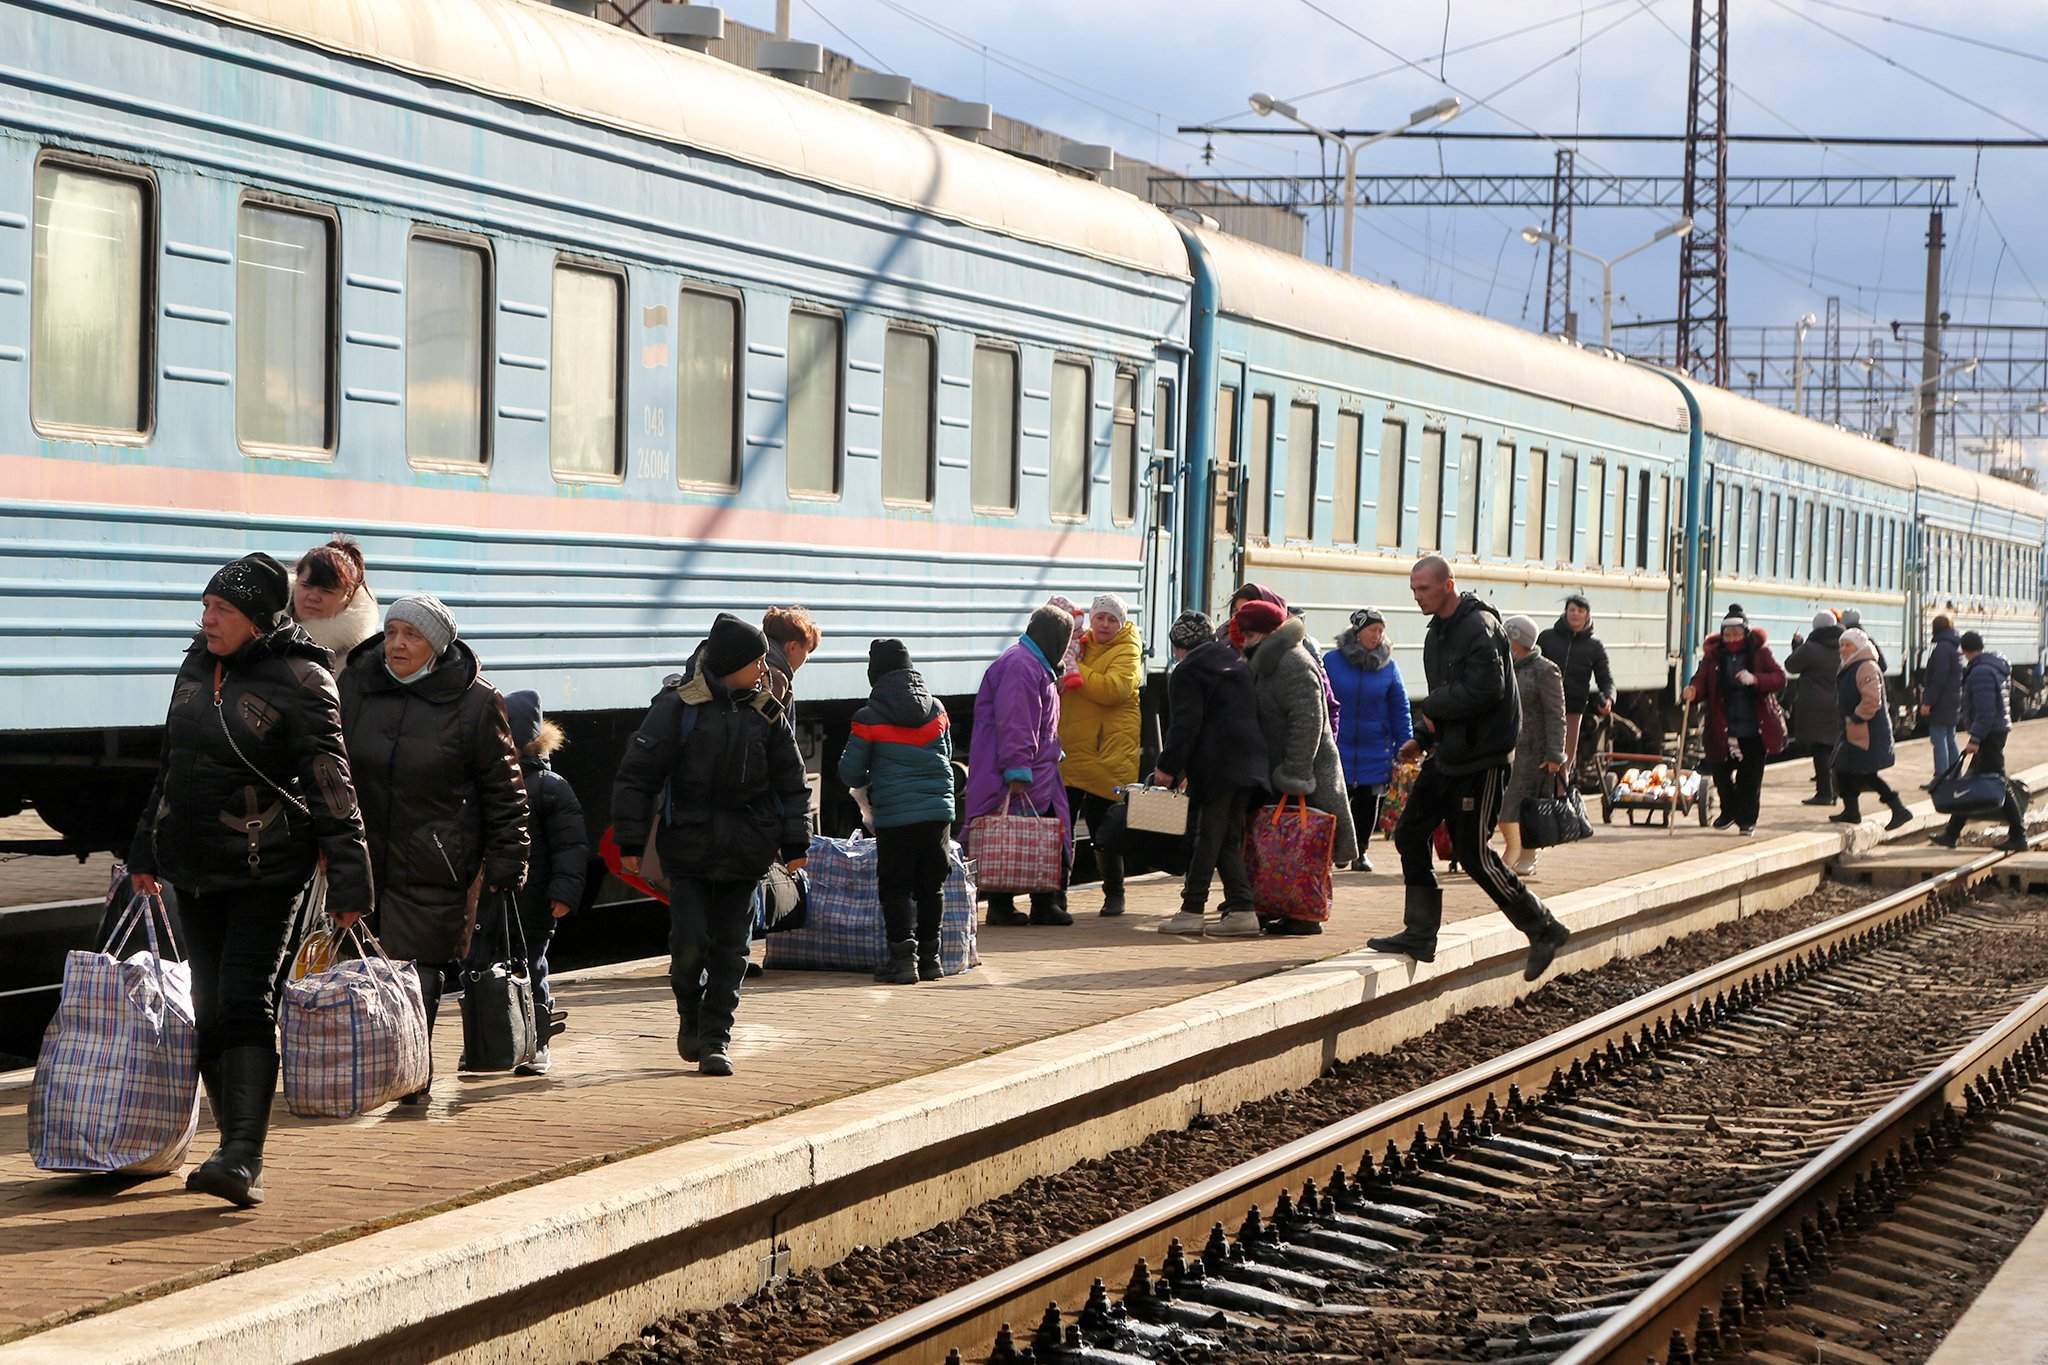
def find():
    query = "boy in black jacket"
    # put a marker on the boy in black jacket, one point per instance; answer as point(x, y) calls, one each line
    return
point(735, 802)
point(556, 864)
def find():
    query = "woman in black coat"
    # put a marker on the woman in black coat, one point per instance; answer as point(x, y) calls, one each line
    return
point(253, 788)
point(1582, 660)
point(1816, 711)
point(443, 801)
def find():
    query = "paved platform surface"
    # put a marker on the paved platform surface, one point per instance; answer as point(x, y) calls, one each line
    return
point(70, 1246)
point(2008, 1324)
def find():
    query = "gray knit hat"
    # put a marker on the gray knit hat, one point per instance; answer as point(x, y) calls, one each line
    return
point(427, 615)
point(1823, 619)
point(1521, 630)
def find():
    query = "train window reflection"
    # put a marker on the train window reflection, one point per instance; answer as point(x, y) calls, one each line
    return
point(708, 389)
point(89, 322)
point(584, 374)
point(284, 293)
point(1067, 462)
point(1301, 471)
point(1502, 516)
point(1393, 480)
point(1567, 509)
point(1429, 530)
point(909, 391)
point(994, 429)
point(1350, 458)
point(1123, 450)
point(447, 331)
point(1533, 537)
point(815, 405)
point(1469, 478)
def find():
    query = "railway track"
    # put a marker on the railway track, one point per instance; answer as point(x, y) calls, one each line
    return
point(1424, 1227)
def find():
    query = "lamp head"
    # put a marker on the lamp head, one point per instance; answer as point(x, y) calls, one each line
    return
point(1442, 109)
point(1533, 235)
point(1678, 229)
point(1264, 104)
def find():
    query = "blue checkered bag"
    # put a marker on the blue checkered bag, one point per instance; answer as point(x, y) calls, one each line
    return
point(355, 1036)
point(117, 1080)
point(844, 932)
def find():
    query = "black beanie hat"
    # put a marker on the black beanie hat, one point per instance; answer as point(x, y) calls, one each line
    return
point(732, 645)
point(1972, 642)
point(1051, 628)
point(255, 585)
point(886, 657)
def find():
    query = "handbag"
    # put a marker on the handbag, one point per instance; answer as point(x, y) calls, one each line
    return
point(1559, 818)
point(1289, 861)
point(844, 930)
point(499, 1031)
point(1156, 810)
point(355, 1035)
point(117, 1079)
point(1971, 796)
point(1018, 853)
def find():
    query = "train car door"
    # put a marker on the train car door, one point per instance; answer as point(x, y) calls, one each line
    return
point(1226, 489)
point(1157, 496)
point(1674, 570)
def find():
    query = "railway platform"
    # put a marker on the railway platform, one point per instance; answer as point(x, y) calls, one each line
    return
point(548, 1218)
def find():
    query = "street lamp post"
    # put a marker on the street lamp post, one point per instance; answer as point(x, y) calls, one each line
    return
point(1926, 394)
point(1264, 104)
point(1533, 235)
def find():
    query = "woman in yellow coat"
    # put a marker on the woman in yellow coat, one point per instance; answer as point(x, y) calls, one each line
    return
point(1099, 728)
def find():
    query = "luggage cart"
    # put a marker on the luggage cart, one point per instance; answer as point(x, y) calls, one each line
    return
point(1691, 794)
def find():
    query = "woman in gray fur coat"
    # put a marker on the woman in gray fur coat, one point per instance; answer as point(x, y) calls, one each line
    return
point(1539, 748)
point(1294, 720)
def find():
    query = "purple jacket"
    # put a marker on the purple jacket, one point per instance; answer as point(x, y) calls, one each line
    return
point(1016, 735)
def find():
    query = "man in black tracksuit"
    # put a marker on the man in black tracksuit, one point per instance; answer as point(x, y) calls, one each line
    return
point(1466, 729)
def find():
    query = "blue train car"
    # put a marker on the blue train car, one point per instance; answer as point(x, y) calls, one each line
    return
point(588, 335)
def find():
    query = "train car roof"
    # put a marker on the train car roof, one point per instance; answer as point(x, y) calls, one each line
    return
point(1284, 291)
point(582, 68)
point(1760, 426)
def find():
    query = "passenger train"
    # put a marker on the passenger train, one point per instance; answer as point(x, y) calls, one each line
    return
point(593, 337)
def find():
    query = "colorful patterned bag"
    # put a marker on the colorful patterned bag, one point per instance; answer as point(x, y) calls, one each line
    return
point(117, 1080)
point(355, 1035)
point(843, 931)
point(1017, 853)
point(1396, 798)
point(1288, 857)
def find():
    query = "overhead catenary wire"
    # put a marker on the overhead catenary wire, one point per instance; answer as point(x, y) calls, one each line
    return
point(852, 41)
point(1929, 29)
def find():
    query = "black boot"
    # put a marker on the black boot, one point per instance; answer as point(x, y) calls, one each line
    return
point(1544, 942)
point(247, 1081)
point(1111, 866)
point(1050, 908)
point(930, 919)
point(1851, 813)
point(1900, 815)
point(1421, 916)
point(1003, 911)
point(900, 969)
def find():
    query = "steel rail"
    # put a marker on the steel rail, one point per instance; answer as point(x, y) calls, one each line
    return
point(1700, 1305)
point(1551, 1067)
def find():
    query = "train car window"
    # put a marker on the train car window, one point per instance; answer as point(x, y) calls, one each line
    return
point(1350, 459)
point(1845, 551)
point(1774, 563)
point(1643, 521)
point(284, 339)
point(1721, 523)
point(1429, 529)
point(1737, 532)
point(584, 374)
point(816, 402)
point(1502, 517)
point(1534, 546)
point(1123, 450)
point(1567, 509)
point(447, 347)
point(708, 390)
point(910, 386)
point(1617, 538)
point(1165, 429)
point(1067, 465)
point(994, 428)
point(1756, 532)
point(1470, 475)
point(90, 317)
point(1301, 471)
point(1393, 480)
point(1226, 463)
point(1258, 474)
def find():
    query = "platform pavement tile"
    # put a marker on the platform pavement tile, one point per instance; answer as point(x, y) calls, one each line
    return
point(801, 1038)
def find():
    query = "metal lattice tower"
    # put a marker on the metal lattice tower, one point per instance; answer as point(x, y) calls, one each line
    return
point(1558, 317)
point(1831, 395)
point(1703, 253)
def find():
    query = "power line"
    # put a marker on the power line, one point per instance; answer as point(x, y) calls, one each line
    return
point(856, 43)
point(1937, 32)
point(1982, 144)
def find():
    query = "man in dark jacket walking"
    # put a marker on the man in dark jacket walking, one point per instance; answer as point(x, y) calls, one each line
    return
point(1987, 714)
point(1214, 744)
point(1941, 690)
point(1466, 729)
point(1816, 710)
point(1582, 659)
point(716, 762)
point(901, 750)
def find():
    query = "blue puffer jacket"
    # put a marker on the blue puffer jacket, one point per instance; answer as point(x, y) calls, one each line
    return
point(1374, 720)
point(902, 752)
point(1987, 696)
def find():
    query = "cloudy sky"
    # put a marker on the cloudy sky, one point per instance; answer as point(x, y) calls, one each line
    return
point(1128, 75)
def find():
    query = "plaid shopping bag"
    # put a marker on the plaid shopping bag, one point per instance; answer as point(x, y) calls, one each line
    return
point(843, 930)
point(355, 1035)
point(1018, 853)
point(117, 1080)
point(1288, 857)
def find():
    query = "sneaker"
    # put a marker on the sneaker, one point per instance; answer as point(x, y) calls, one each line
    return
point(537, 1067)
point(717, 1061)
point(688, 1045)
point(1112, 904)
point(1747, 831)
point(1525, 866)
point(1186, 922)
point(1723, 821)
point(1236, 924)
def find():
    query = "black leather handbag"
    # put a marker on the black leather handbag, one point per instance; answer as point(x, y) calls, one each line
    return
point(499, 1031)
point(1559, 818)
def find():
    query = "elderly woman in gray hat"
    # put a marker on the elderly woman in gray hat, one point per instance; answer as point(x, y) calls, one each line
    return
point(437, 773)
point(1539, 748)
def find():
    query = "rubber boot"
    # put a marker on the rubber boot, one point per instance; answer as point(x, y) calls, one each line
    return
point(248, 1081)
point(901, 967)
point(1900, 815)
point(217, 1105)
point(1544, 941)
point(1003, 911)
point(930, 921)
point(1421, 915)
point(1050, 907)
point(1111, 868)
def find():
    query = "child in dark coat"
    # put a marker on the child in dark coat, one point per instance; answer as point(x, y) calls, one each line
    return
point(902, 752)
point(556, 865)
